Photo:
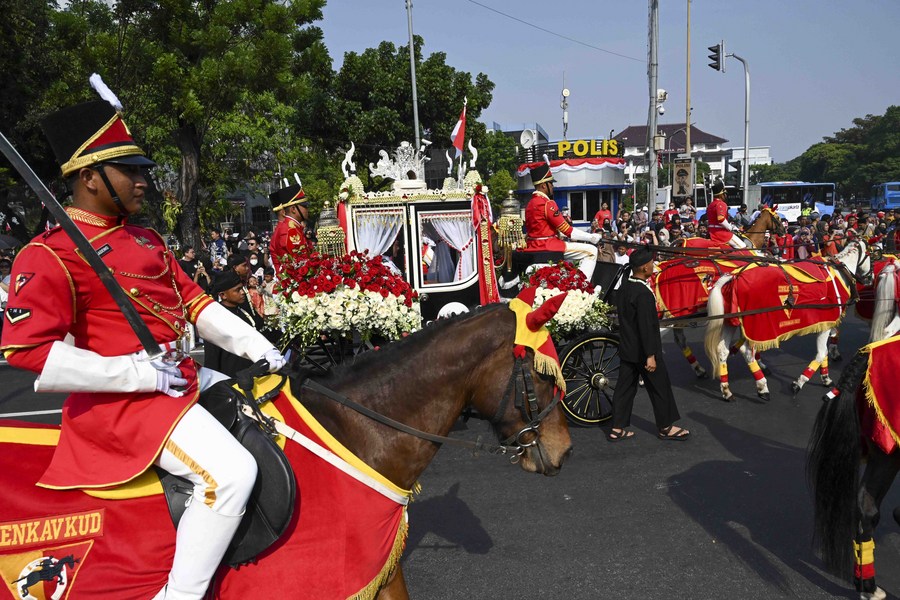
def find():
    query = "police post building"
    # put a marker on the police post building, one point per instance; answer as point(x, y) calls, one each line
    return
point(588, 172)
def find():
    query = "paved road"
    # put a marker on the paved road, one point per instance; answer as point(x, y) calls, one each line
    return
point(724, 515)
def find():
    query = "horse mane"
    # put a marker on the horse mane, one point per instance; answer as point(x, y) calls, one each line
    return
point(885, 301)
point(403, 349)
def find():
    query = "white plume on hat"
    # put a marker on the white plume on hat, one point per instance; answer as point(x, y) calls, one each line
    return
point(104, 91)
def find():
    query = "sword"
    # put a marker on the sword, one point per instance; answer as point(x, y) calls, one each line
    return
point(151, 346)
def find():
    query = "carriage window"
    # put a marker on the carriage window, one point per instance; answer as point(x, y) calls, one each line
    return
point(576, 206)
point(378, 231)
point(448, 249)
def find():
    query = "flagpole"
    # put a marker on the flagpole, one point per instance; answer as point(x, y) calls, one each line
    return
point(412, 70)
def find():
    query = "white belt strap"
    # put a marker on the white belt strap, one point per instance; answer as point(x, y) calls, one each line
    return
point(332, 459)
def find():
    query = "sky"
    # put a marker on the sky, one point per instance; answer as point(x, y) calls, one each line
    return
point(815, 65)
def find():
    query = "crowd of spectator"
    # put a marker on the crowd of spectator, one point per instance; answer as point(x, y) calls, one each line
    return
point(811, 235)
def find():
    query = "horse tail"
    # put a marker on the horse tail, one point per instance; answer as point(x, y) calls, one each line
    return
point(832, 467)
point(715, 306)
point(885, 297)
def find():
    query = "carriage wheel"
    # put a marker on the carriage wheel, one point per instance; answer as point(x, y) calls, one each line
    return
point(590, 366)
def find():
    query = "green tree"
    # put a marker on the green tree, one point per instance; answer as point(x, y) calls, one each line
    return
point(205, 85)
point(496, 153)
point(373, 98)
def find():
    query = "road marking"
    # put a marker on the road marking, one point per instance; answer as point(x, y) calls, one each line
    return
point(30, 414)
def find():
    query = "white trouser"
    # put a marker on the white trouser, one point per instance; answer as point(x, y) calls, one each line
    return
point(223, 474)
point(736, 242)
point(584, 254)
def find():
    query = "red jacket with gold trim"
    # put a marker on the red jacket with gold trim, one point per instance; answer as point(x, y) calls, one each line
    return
point(106, 438)
point(288, 239)
point(716, 215)
point(542, 222)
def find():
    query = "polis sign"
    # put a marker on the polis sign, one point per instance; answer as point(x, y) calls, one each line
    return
point(587, 148)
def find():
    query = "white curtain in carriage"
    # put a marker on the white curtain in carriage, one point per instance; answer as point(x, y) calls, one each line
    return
point(457, 231)
point(376, 230)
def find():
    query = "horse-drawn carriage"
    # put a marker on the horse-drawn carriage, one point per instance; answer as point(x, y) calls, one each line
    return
point(428, 237)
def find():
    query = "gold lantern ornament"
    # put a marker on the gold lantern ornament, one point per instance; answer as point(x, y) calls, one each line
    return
point(510, 226)
point(330, 238)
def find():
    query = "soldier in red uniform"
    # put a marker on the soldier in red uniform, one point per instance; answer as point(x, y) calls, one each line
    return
point(289, 236)
point(720, 229)
point(126, 412)
point(543, 222)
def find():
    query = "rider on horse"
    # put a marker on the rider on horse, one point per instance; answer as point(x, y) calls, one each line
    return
point(720, 229)
point(128, 411)
point(543, 222)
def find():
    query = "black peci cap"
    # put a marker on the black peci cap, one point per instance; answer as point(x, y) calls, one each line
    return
point(640, 257)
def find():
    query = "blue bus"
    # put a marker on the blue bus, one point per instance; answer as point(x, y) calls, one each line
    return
point(791, 196)
point(885, 196)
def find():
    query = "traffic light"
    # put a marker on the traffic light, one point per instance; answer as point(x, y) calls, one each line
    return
point(717, 56)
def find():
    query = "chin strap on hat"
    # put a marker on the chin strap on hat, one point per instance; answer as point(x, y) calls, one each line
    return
point(112, 191)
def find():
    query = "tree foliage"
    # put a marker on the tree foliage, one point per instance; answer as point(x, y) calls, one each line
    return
point(854, 158)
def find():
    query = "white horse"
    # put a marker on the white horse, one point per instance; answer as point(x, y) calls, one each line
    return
point(855, 264)
point(886, 318)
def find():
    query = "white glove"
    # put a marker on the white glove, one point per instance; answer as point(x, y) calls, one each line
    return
point(168, 379)
point(582, 236)
point(275, 359)
point(595, 238)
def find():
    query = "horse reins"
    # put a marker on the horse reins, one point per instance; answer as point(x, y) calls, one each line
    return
point(513, 445)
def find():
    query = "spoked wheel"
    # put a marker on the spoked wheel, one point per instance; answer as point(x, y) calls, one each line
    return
point(590, 366)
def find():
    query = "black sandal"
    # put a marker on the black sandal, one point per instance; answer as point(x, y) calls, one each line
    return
point(680, 434)
point(618, 436)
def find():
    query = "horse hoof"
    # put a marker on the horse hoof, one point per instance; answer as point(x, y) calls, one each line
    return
point(827, 381)
point(701, 374)
point(728, 398)
point(795, 389)
point(878, 594)
point(764, 396)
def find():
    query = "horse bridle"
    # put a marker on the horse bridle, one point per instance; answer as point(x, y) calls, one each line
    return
point(514, 445)
point(852, 275)
point(521, 388)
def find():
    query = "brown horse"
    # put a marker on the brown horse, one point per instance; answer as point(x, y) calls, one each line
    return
point(424, 381)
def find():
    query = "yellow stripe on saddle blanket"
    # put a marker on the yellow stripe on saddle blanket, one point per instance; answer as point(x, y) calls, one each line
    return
point(800, 272)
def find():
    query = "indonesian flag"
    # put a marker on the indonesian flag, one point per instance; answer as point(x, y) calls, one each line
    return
point(459, 132)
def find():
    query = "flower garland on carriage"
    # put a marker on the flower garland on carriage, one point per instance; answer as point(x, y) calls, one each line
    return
point(582, 310)
point(341, 296)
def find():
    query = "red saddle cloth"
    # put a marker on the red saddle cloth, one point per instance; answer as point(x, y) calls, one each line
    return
point(768, 288)
point(682, 285)
point(344, 540)
point(880, 402)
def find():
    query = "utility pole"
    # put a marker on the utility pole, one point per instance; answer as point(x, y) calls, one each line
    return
point(412, 70)
point(687, 87)
point(652, 68)
point(745, 164)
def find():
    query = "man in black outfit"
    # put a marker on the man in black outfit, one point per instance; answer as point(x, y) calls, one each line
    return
point(229, 291)
point(640, 353)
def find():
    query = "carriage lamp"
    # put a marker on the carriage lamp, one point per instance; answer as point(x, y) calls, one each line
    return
point(330, 238)
point(510, 228)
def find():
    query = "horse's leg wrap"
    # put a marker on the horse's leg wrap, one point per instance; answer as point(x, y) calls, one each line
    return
point(807, 374)
point(757, 372)
point(864, 565)
point(823, 370)
point(692, 360)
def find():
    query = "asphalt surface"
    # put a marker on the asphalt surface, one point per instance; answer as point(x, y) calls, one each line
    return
point(726, 514)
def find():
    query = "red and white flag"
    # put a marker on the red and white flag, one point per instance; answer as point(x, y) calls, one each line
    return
point(459, 133)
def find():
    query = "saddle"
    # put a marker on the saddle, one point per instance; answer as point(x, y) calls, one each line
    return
point(271, 503)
